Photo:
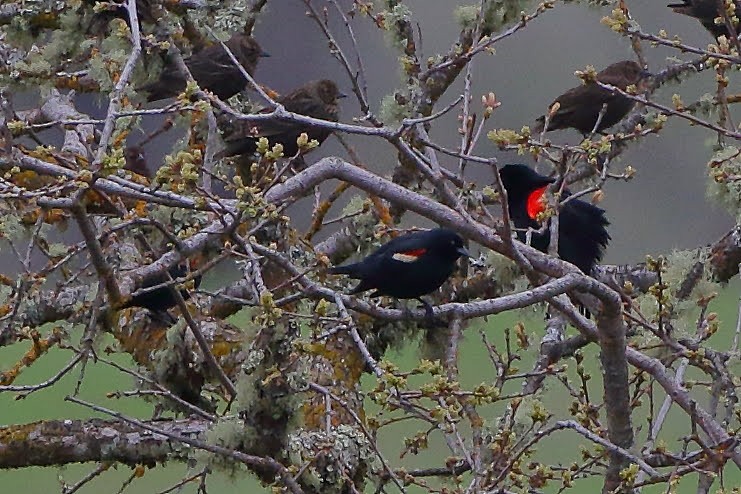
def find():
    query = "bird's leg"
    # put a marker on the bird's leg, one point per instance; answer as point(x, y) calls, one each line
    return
point(429, 315)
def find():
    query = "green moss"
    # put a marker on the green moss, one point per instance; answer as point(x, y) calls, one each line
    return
point(724, 187)
point(331, 456)
point(35, 66)
point(18, 433)
point(11, 226)
point(684, 313)
point(505, 269)
point(466, 15)
point(396, 13)
point(224, 17)
point(391, 112)
point(498, 14)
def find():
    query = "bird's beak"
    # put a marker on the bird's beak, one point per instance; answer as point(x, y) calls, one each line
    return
point(341, 95)
point(463, 252)
point(264, 54)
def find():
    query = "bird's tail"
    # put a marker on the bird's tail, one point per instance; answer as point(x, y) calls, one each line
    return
point(226, 152)
point(348, 269)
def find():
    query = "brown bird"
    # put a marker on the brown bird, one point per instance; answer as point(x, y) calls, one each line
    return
point(580, 106)
point(212, 69)
point(317, 99)
point(704, 11)
point(136, 161)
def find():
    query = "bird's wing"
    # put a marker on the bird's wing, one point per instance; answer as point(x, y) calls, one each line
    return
point(617, 80)
point(574, 98)
point(270, 128)
point(381, 254)
point(169, 83)
point(405, 249)
point(302, 105)
point(583, 233)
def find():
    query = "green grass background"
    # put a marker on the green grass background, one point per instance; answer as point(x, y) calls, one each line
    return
point(475, 368)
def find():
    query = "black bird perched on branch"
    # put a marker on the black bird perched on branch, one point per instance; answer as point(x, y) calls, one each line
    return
point(212, 68)
point(581, 106)
point(582, 227)
point(316, 99)
point(408, 266)
point(159, 300)
point(704, 11)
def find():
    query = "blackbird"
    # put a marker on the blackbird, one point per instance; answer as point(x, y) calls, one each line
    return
point(408, 266)
point(212, 69)
point(158, 301)
point(580, 106)
point(704, 11)
point(317, 99)
point(582, 227)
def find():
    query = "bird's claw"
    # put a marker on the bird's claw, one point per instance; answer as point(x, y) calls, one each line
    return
point(430, 320)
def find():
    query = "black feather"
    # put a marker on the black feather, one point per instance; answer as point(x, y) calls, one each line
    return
point(392, 269)
point(162, 299)
point(582, 232)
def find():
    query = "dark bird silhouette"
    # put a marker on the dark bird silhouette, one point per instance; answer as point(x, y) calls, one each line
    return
point(582, 227)
point(580, 106)
point(316, 99)
point(704, 11)
point(136, 161)
point(159, 300)
point(408, 266)
point(180, 380)
point(212, 69)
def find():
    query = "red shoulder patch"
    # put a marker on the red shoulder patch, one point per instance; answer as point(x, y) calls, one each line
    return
point(409, 255)
point(536, 202)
